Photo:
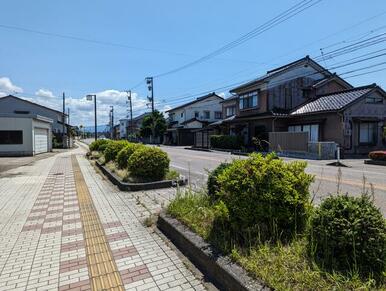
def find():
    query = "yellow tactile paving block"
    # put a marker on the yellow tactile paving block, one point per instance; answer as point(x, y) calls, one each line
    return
point(101, 265)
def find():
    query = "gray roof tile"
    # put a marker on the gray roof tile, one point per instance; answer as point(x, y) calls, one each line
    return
point(331, 102)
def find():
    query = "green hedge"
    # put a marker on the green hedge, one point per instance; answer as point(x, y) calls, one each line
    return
point(99, 145)
point(213, 185)
point(113, 148)
point(266, 196)
point(125, 153)
point(348, 234)
point(148, 164)
point(226, 142)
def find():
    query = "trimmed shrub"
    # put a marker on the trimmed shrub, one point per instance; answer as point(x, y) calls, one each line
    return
point(231, 142)
point(213, 186)
point(349, 234)
point(266, 196)
point(149, 164)
point(113, 148)
point(103, 146)
point(378, 155)
point(98, 145)
point(125, 153)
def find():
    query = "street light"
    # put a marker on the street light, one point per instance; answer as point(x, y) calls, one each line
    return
point(89, 97)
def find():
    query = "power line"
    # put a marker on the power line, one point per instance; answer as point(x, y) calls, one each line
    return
point(366, 73)
point(285, 15)
point(87, 40)
point(283, 80)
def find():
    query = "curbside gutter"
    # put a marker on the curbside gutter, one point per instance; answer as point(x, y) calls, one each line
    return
point(225, 274)
point(123, 186)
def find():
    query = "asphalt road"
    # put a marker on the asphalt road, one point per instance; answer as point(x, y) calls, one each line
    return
point(196, 164)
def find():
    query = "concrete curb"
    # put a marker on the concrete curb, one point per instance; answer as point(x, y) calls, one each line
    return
point(225, 274)
point(123, 186)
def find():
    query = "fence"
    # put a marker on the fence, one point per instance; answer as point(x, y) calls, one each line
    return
point(288, 141)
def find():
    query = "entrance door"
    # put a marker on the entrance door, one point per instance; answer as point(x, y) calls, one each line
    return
point(40, 140)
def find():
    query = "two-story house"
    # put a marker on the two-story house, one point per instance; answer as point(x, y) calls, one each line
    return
point(299, 97)
point(185, 119)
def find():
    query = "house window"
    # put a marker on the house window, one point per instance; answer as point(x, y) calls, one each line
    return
point(368, 133)
point(182, 114)
point(312, 129)
point(11, 137)
point(230, 111)
point(196, 114)
point(374, 100)
point(249, 100)
point(218, 115)
point(207, 114)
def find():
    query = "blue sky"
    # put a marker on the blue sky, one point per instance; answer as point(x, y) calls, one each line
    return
point(158, 36)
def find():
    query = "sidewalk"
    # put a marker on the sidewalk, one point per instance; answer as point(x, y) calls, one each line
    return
point(63, 227)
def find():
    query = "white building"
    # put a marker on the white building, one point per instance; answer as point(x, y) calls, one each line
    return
point(190, 116)
point(25, 135)
point(123, 125)
point(18, 106)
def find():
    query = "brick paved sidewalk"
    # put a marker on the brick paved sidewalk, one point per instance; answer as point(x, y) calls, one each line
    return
point(63, 227)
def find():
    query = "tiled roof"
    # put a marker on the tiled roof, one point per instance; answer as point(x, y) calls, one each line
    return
point(194, 101)
point(281, 69)
point(333, 101)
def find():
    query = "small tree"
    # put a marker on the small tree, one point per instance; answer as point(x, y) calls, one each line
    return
point(154, 122)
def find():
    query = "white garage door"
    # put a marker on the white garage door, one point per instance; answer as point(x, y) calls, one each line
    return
point(41, 140)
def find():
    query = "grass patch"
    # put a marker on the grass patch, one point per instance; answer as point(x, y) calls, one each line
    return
point(95, 154)
point(283, 267)
point(172, 175)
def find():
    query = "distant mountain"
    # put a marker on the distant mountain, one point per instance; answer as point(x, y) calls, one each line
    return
point(100, 128)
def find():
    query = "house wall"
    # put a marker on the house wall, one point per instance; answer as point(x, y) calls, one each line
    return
point(211, 104)
point(193, 124)
point(123, 124)
point(283, 91)
point(330, 125)
point(9, 105)
point(225, 104)
point(364, 111)
point(330, 87)
point(24, 124)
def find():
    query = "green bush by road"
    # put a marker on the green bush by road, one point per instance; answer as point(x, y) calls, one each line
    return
point(134, 162)
point(262, 218)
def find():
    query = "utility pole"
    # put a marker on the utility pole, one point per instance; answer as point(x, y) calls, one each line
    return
point(69, 126)
point(131, 110)
point(149, 82)
point(111, 121)
point(63, 118)
point(89, 98)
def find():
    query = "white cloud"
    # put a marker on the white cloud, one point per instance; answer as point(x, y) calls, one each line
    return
point(7, 87)
point(222, 94)
point(82, 110)
point(44, 93)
